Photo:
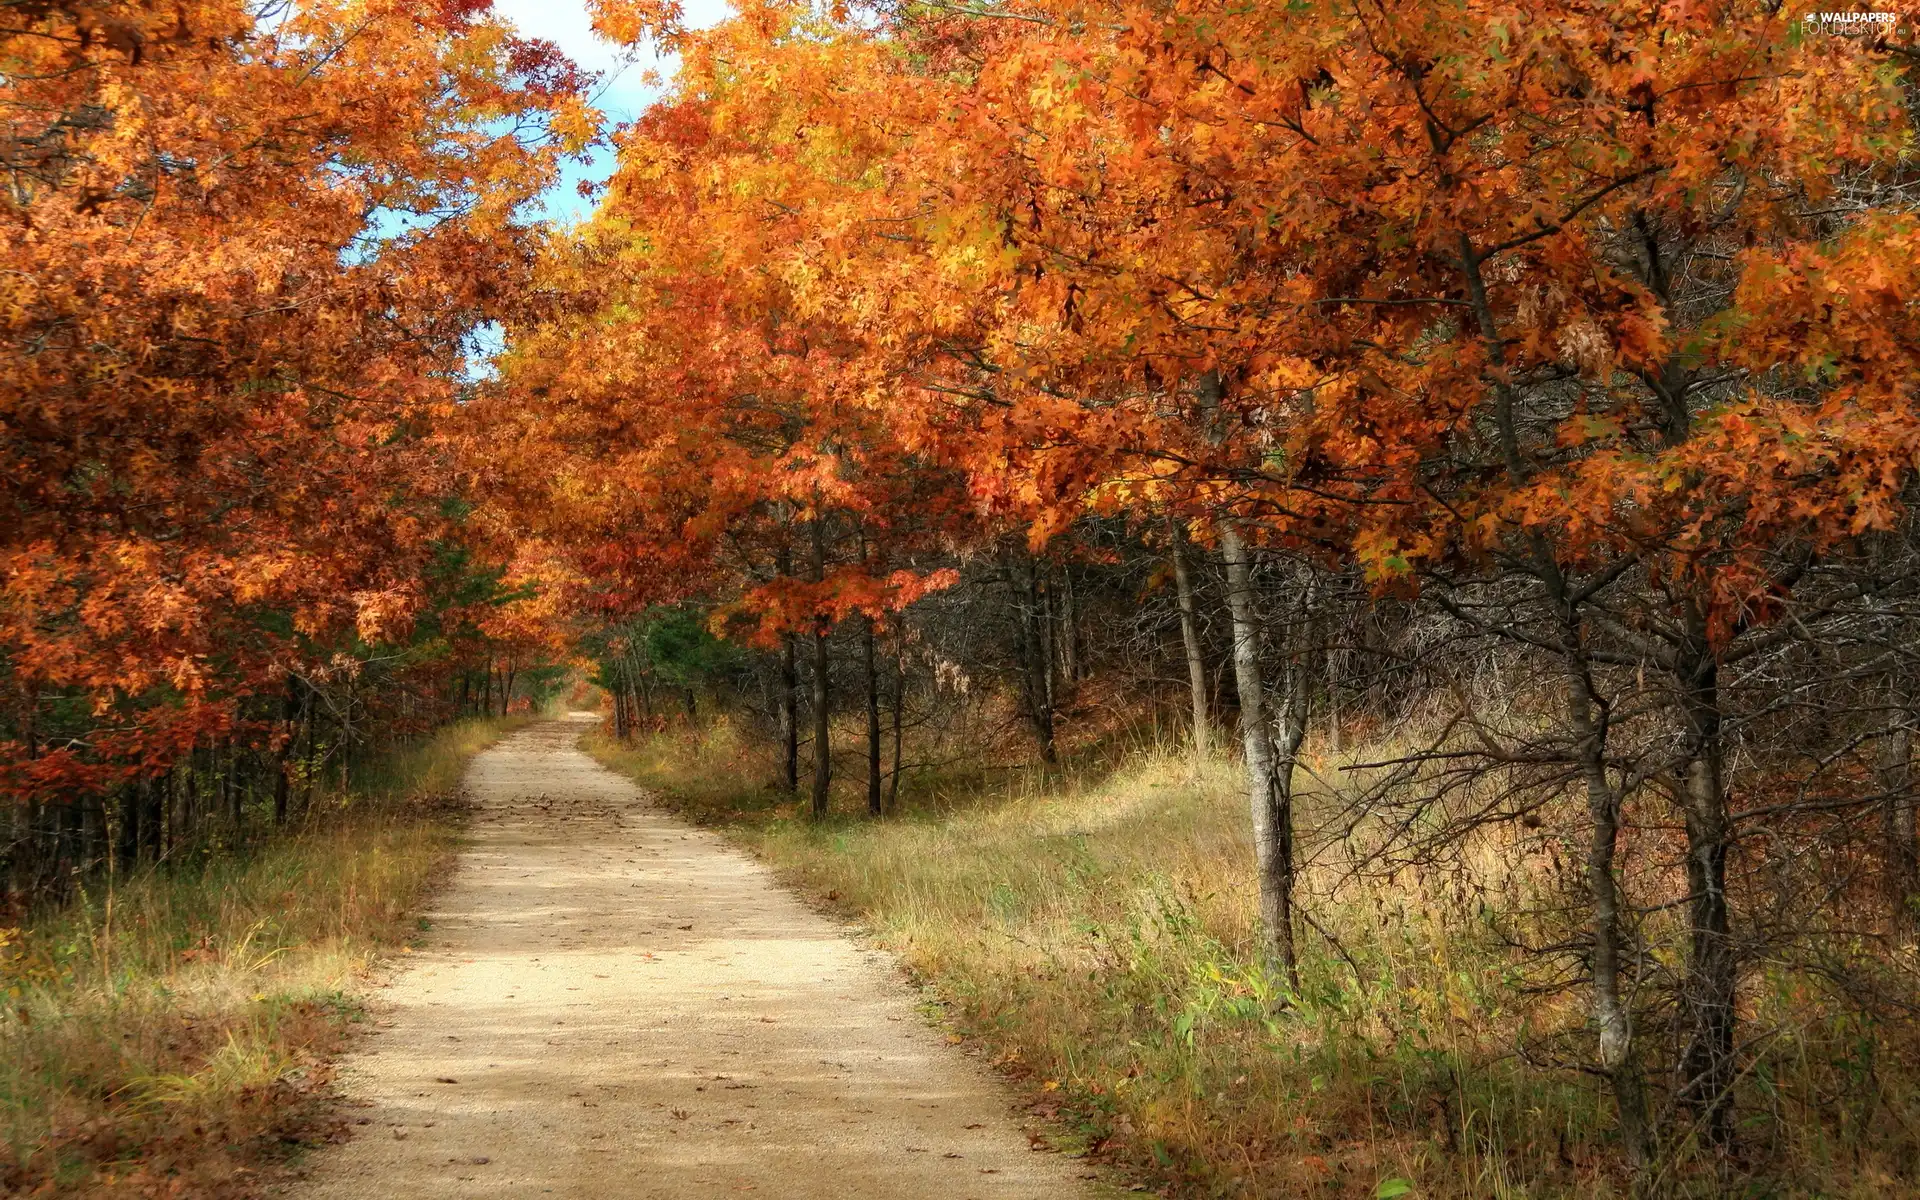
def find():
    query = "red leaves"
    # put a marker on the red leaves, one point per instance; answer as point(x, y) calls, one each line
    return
point(540, 68)
point(455, 14)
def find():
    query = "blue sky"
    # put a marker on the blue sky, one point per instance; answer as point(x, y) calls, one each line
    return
point(564, 22)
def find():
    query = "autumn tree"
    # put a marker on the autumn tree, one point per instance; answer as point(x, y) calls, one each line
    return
point(245, 255)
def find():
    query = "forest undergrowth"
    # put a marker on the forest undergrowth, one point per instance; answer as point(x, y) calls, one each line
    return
point(1091, 929)
point(171, 1033)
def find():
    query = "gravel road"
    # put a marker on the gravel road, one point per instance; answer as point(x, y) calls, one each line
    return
point(614, 1004)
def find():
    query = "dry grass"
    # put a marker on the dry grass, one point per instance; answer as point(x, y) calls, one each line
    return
point(170, 1034)
point(1091, 929)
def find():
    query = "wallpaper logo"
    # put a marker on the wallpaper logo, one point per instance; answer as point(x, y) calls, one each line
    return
point(1850, 22)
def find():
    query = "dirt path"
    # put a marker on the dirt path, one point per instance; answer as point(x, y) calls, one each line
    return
point(614, 1004)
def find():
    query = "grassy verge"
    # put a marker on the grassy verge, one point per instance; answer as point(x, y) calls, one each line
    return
point(171, 1035)
point(1090, 929)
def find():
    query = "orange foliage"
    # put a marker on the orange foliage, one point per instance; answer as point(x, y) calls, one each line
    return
point(242, 255)
point(1006, 246)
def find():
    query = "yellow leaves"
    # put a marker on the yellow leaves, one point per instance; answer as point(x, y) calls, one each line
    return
point(632, 22)
point(1385, 561)
point(576, 124)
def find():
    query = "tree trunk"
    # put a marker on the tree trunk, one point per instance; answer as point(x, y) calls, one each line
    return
point(1069, 635)
point(169, 823)
point(1267, 794)
point(311, 775)
point(230, 792)
point(1044, 629)
point(873, 721)
point(189, 803)
point(127, 853)
point(153, 818)
point(289, 712)
point(1712, 971)
point(789, 714)
point(822, 756)
point(1290, 712)
point(1334, 733)
point(1898, 828)
point(822, 735)
point(1612, 1019)
point(899, 721)
point(93, 836)
point(1190, 636)
point(1035, 668)
point(789, 690)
